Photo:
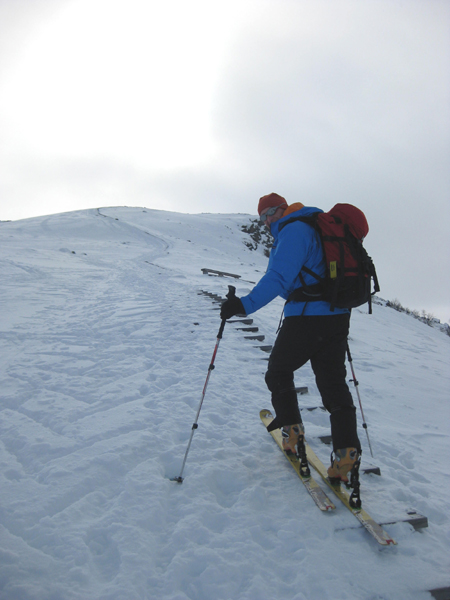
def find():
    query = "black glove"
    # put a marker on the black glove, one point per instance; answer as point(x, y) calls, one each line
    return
point(232, 306)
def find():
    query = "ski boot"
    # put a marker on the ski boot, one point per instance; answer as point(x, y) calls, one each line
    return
point(346, 461)
point(342, 464)
point(292, 436)
point(293, 440)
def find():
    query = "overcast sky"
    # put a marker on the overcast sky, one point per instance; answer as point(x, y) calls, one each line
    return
point(204, 106)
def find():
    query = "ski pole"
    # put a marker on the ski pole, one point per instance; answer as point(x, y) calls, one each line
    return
point(179, 479)
point(355, 381)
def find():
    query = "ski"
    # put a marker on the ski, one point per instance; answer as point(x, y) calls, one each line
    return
point(313, 488)
point(374, 528)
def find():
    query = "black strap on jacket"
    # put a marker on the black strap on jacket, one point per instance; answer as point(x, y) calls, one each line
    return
point(307, 293)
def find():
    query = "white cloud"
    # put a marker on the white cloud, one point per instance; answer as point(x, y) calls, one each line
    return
point(134, 82)
point(205, 106)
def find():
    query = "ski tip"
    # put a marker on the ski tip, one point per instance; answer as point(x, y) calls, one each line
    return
point(265, 413)
point(391, 542)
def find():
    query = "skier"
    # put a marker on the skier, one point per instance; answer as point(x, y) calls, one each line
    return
point(310, 331)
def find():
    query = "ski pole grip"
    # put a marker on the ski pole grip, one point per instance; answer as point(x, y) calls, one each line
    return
point(231, 292)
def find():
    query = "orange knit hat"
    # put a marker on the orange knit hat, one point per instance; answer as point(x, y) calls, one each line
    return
point(270, 201)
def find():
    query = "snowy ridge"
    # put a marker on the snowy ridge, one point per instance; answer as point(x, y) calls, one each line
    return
point(106, 343)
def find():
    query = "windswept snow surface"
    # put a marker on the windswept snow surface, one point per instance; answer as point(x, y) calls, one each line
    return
point(105, 348)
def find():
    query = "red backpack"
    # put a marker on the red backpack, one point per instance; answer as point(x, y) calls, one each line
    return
point(349, 269)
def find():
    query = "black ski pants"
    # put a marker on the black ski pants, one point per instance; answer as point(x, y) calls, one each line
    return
point(322, 340)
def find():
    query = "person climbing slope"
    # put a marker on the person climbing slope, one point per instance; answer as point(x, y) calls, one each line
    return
point(311, 331)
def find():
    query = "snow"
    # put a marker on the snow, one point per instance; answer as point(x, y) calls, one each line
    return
point(106, 340)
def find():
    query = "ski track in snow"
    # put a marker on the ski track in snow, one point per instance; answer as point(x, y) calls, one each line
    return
point(106, 342)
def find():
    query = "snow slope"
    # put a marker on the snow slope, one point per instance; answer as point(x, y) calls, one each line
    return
point(105, 346)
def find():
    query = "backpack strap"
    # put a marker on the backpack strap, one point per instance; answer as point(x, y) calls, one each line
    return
point(309, 220)
point(317, 291)
point(314, 292)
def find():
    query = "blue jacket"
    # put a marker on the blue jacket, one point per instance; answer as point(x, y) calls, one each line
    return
point(295, 246)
